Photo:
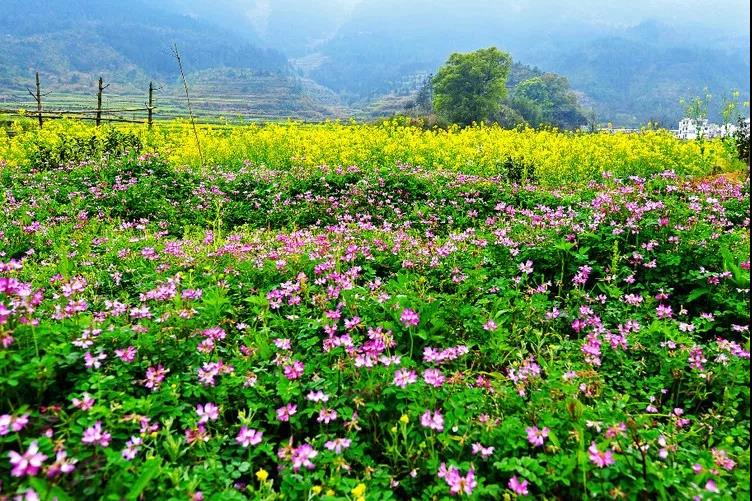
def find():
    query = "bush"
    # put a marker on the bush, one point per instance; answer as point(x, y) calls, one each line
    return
point(741, 139)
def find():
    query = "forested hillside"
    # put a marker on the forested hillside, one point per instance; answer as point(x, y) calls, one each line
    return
point(626, 64)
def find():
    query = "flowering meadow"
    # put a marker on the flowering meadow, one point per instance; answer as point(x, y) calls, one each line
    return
point(279, 325)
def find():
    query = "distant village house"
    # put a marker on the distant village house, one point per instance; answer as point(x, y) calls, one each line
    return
point(689, 128)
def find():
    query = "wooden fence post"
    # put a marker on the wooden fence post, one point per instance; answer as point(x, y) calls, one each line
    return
point(99, 102)
point(38, 98)
point(150, 106)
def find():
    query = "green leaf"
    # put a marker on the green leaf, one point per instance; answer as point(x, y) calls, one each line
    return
point(149, 470)
point(47, 490)
point(697, 294)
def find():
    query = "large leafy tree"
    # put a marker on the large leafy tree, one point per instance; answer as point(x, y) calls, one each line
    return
point(470, 87)
point(548, 99)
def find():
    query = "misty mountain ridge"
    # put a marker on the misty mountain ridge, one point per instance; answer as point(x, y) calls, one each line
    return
point(630, 63)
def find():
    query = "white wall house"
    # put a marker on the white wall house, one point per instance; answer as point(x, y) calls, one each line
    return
point(690, 128)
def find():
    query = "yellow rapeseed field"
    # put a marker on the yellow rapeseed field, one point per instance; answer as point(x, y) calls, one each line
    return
point(551, 156)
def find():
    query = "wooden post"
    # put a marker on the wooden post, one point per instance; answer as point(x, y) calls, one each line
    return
point(99, 102)
point(150, 106)
point(39, 101)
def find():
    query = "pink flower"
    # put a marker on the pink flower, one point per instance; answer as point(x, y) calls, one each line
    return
point(286, 411)
point(519, 488)
point(409, 318)
point(600, 459)
point(578, 324)
point(721, 459)
point(154, 376)
point(94, 361)
point(711, 486)
point(302, 455)
point(62, 464)
point(248, 436)
point(696, 358)
point(317, 396)
point(196, 434)
point(434, 377)
point(338, 444)
point(485, 452)
point(84, 403)
point(441, 356)
point(433, 421)
point(127, 355)
point(214, 333)
point(526, 267)
point(95, 435)
point(10, 423)
point(326, 416)
point(352, 323)
point(591, 348)
point(663, 311)
point(490, 325)
point(464, 485)
point(616, 430)
point(583, 273)
point(535, 436)
point(207, 412)
point(456, 482)
point(205, 346)
point(403, 377)
point(27, 464)
point(294, 370)
point(283, 344)
point(132, 447)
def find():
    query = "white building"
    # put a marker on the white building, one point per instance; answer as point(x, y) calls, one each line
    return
point(690, 128)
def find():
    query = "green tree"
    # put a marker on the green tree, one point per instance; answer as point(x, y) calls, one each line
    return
point(470, 87)
point(554, 102)
point(508, 117)
point(424, 98)
point(530, 111)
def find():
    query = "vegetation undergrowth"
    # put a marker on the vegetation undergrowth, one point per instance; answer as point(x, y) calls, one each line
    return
point(354, 312)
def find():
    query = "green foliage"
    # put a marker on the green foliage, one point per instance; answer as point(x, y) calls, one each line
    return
point(741, 139)
point(510, 116)
point(548, 100)
point(537, 308)
point(698, 107)
point(68, 148)
point(470, 87)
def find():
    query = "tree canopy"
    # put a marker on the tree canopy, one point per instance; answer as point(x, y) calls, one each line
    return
point(471, 86)
point(548, 99)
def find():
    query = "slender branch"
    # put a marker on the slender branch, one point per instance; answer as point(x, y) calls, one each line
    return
point(188, 99)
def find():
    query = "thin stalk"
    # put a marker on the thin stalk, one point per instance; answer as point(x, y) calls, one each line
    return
point(188, 100)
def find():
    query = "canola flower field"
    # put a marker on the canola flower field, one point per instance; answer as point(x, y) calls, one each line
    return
point(371, 312)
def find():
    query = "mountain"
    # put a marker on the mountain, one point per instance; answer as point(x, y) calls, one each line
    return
point(73, 42)
point(629, 72)
point(108, 34)
point(631, 81)
point(629, 61)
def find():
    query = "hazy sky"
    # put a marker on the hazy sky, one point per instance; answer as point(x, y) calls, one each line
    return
point(713, 14)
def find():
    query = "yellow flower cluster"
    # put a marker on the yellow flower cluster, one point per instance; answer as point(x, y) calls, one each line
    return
point(553, 157)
